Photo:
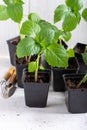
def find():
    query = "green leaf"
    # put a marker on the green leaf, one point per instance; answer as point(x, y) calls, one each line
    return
point(8, 1)
point(56, 36)
point(34, 17)
point(44, 24)
point(75, 4)
point(84, 14)
point(32, 66)
point(27, 47)
point(45, 37)
point(3, 13)
point(78, 16)
point(70, 22)
point(66, 35)
point(56, 55)
point(30, 28)
point(60, 12)
point(13, 2)
point(19, 2)
point(15, 12)
point(84, 56)
point(70, 53)
point(42, 67)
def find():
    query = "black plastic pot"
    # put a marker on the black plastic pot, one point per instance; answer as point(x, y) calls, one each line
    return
point(76, 99)
point(12, 48)
point(79, 49)
point(19, 70)
point(36, 93)
point(58, 83)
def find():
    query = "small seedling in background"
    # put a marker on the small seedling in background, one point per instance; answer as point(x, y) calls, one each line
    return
point(84, 79)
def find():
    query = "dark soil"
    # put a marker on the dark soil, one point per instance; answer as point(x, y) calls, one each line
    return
point(71, 83)
point(42, 78)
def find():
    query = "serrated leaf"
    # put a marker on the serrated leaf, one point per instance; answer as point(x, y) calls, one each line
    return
point(45, 37)
point(15, 12)
point(56, 56)
point(70, 53)
point(84, 14)
point(34, 17)
point(75, 4)
point(60, 12)
point(84, 56)
point(70, 22)
point(44, 24)
point(3, 13)
point(32, 66)
point(66, 35)
point(30, 28)
point(27, 47)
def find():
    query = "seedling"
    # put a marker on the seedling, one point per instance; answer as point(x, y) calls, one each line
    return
point(41, 39)
point(12, 9)
point(41, 36)
point(84, 79)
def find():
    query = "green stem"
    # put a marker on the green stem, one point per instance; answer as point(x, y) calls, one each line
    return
point(21, 36)
point(78, 85)
point(60, 41)
point(37, 67)
point(84, 79)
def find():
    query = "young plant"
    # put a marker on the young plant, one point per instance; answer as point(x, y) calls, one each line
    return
point(70, 14)
point(41, 40)
point(84, 55)
point(84, 79)
point(12, 9)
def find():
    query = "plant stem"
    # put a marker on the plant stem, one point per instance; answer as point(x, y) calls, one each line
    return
point(83, 80)
point(85, 49)
point(37, 66)
point(60, 40)
point(78, 85)
point(21, 36)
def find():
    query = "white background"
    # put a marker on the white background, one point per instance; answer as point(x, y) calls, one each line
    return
point(45, 8)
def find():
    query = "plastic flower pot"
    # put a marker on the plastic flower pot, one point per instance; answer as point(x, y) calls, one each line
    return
point(75, 98)
point(58, 83)
point(12, 48)
point(79, 49)
point(36, 93)
point(19, 70)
